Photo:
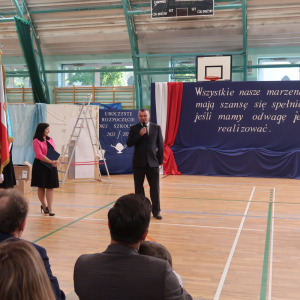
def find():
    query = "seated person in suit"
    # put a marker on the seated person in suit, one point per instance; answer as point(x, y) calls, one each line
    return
point(13, 213)
point(159, 251)
point(23, 275)
point(120, 272)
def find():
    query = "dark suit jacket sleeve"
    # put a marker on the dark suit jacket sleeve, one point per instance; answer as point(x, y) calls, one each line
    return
point(160, 147)
point(59, 295)
point(173, 289)
point(133, 136)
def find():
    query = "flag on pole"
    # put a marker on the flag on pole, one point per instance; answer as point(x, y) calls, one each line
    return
point(4, 143)
point(9, 128)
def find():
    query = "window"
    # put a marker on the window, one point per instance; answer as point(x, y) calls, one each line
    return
point(78, 79)
point(188, 69)
point(17, 82)
point(279, 74)
point(97, 78)
point(7, 78)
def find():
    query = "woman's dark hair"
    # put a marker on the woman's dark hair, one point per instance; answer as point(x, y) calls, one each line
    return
point(129, 218)
point(39, 133)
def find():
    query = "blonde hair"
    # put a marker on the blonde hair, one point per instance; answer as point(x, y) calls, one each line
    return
point(23, 275)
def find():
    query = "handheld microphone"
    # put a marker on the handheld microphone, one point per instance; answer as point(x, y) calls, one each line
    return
point(144, 125)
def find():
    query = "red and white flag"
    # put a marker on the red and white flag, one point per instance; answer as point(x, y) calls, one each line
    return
point(168, 98)
point(4, 143)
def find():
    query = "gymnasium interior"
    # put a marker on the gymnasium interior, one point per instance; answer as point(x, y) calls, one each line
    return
point(220, 77)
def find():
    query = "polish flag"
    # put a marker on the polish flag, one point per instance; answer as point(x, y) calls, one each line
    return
point(4, 143)
point(168, 99)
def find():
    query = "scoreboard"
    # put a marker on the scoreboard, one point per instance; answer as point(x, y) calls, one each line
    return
point(181, 8)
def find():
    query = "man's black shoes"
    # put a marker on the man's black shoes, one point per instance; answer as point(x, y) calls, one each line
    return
point(157, 216)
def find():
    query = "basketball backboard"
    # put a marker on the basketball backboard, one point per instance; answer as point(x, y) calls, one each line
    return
point(219, 66)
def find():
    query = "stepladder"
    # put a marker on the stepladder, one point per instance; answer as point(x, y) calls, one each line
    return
point(84, 119)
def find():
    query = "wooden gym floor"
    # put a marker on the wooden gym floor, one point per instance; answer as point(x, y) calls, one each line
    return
point(230, 237)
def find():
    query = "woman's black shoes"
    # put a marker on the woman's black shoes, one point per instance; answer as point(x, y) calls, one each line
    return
point(44, 211)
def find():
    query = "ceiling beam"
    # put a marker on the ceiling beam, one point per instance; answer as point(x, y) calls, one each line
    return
point(4, 20)
point(74, 9)
point(190, 54)
point(148, 71)
point(25, 73)
point(19, 10)
point(133, 12)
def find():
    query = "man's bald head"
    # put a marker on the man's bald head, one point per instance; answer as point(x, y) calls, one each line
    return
point(13, 210)
point(3, 202)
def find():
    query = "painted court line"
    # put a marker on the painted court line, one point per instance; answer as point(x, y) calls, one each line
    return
point(151, 239)
point(200, 226)
point(186, 198)
point(158, 223)
point(211, 199)
point(190, 188)
point(169, 184)
point(209, 189)
point(72, 223)
point(281, 218)
point(169, 211)
point(195, 188)
point(56, 217)
point(69, 205)
point(221, 283)
point(264, 278)
point(236, 183)
point(271, 254)
point(211, 214)
point(216, 184)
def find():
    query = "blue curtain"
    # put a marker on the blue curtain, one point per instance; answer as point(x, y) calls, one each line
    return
point(238, 129)
point(24, 120)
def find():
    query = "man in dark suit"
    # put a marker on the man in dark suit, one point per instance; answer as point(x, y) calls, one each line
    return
point(120, 272)
point(148, 155)
point(13, 213)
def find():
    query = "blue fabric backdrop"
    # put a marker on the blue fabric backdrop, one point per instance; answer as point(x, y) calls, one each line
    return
point(239, 128)
point(24, 120)
point(107, 106)
point(114, 125)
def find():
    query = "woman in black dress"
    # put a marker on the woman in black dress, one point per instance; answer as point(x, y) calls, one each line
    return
point(9, 173)
point(42, 177)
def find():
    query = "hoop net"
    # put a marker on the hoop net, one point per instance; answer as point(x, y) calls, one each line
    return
point(212, 78)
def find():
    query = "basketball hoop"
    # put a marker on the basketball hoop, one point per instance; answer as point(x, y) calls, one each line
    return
point(212, 78)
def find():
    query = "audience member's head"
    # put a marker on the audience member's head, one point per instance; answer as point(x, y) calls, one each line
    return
point(155, 250)
point(23, 274)
point(13, 212)
point(129, 219)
